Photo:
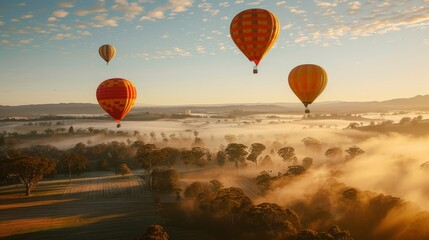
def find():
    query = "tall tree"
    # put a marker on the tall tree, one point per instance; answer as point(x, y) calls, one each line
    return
point(288, 154)
point(147, 156)
point(144, 156)
point(236, 152)
point(73, 163)
point(255, 150)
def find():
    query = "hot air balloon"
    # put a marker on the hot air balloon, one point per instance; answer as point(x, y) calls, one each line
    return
point(107, 52)
point(116, 96)
point(255, 31)
point(307, 81)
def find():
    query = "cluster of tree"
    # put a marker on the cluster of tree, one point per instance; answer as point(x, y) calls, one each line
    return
point(227, 213)
point(265, 181)
point(122, 169)
point(403, 121)
point(155, 232)
point(165, 180)
point(149, 155)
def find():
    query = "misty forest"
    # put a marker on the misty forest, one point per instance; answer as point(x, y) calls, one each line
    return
point(201, 176)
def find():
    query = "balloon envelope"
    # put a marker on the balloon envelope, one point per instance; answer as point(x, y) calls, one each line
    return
point(308, 81)
point(255, 31)
point(107, 52)
point(116, 96)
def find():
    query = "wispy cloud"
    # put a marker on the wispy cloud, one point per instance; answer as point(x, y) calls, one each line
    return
point(60, 13)
point(174, 6)
point(26, 41)
point(66, 4)
point(224, 4)
point(208, 7)
point(98, 8)
point(101, 20)
point(287, 26)
point(164, 54)
point(131, 10)
point(27, 16)
point(257, 2)
point(200, 49)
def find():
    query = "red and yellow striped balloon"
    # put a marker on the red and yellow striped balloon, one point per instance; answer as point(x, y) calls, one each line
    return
point(116, 96)
point(307, 81)
point(255, 31)
point(107, 52)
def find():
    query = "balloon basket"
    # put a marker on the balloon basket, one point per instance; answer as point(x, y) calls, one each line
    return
point(255, 70)
point(118, 125)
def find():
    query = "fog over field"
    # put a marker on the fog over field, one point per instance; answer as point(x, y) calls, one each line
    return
point(389, 187)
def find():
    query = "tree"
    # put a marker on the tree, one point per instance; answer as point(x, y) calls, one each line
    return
point(28, 170)
point(334, 153)
point(267, 161)
point(295, 170)
point(312, 144)
point(155, 232)
point(198, 142)
point(194, 189)
point(199, 156)
point(230, 202)
point(145, 156)
point(255, 150)
point(263, 180)
point(165, 180)
point(170, 155)
point(152, 136)
point(288, 154)
point(353, 125)
point(73, 163)
point(187, 157)
point(271, 220)
point(404, 120)
point(49, 131)
point(307, 162)
point(354, 152)
point(122, 169)
point(236, 152)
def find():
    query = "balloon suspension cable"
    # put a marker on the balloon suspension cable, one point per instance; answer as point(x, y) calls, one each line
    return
point(118, 125)
point(255, 70)
point(107, 63)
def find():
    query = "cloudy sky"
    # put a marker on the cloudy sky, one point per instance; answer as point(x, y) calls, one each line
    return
point(180, 52)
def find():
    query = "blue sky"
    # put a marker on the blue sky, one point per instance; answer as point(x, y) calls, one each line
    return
point(179, 51)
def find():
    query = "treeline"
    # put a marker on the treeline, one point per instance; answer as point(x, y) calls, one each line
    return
point(228, 213)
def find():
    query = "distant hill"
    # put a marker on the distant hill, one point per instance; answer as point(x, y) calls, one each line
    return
point(417, 103)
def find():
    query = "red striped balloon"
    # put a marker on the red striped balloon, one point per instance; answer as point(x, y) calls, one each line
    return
point(116, 96)
point(308, 81)
point(255, 31)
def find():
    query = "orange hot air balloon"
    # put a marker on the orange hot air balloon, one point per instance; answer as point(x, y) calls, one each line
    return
point(255, 31)
point(116, 96)
point(307, 81)
point(107, 52)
